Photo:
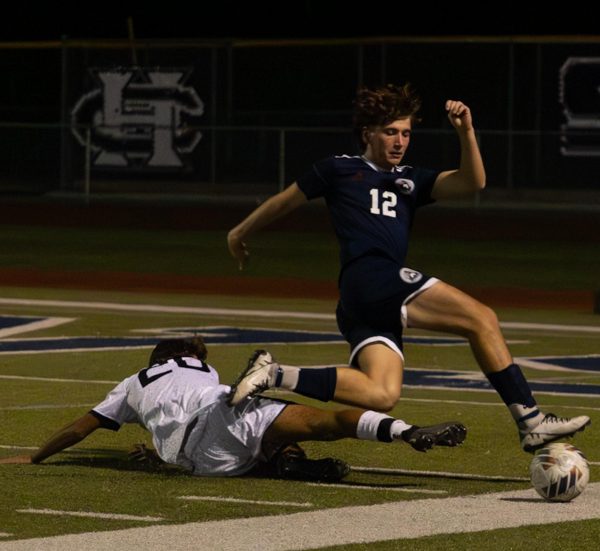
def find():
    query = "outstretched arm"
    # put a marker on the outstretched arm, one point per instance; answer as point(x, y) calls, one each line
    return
point(273, 208)
point(64, 438)
point(470, 176)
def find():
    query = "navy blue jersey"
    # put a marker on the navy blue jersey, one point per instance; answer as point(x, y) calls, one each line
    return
point(371, 209)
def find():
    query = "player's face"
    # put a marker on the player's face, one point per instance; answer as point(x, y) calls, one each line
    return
point(386, 145)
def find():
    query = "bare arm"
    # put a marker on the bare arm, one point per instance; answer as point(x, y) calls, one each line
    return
point(64, 438)
point(470, 176)
point(273, 208)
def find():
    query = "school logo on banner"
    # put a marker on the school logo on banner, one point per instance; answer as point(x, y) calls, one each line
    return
point(139, 118)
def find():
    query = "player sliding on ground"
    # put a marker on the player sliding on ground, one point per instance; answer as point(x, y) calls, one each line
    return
point(178, 399)
point(372, 200)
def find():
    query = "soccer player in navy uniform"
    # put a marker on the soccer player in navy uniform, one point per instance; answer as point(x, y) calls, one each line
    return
point(372, 199)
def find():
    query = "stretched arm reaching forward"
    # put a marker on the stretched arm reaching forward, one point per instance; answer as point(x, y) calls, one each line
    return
point(64, 438)
point(273, 208)
point(470, 176)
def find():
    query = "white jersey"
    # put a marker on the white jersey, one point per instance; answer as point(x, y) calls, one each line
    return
point(175, 400)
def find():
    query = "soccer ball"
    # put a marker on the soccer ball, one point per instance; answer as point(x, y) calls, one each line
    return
point(559, 472)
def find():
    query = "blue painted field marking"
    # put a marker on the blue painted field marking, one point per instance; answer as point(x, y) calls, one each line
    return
point(213, 335)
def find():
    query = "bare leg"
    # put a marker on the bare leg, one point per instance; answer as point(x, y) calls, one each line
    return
point(445, 308)
point(378, 383)
point(297, 423)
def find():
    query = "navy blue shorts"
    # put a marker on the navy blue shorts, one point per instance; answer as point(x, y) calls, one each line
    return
point(374, 292)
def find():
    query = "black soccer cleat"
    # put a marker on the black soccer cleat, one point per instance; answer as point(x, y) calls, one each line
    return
point(445, 434)
point(294, 465)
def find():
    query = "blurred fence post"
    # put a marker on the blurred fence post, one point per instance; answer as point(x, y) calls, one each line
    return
point(88, 164)
point(281, 171)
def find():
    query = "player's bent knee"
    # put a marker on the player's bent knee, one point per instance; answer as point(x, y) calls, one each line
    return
point(488, 320)
point(386, 400)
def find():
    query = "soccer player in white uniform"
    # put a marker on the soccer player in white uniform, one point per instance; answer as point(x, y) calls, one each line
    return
point(179, 400)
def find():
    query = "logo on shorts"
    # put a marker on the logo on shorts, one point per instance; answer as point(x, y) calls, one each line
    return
point(410, 276)
point(406, 187)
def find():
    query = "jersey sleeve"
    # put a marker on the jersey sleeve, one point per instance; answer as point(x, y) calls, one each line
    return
point(316, 182)
point(115, 410)
point(425, 179)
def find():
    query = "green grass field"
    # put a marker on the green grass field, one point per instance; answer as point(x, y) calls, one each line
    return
point(39, 392)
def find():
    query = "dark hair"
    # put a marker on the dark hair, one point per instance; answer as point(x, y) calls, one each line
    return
point(172, 348)
point(380, 106)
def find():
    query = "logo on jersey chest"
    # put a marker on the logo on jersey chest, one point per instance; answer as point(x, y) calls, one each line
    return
point(405, 186)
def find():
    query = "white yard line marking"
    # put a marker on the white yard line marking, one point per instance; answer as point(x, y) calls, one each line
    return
point(156, 308)
point(34, 326)
point(55, 380)
point(19, 447)
point(5, 535)
point(438, 474)
point(344, 486)
point(550, 327)
point(538, 363)
point(338, 526)
point(45, 406)
point(492, 404)
point(251, 501)
point(70, 350)
point(594, 462)
point(107, 516)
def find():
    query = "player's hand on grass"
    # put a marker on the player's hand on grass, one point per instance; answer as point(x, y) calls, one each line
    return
point(16, 460)
point(237, 248)
point(142, 454)
point(459, 115)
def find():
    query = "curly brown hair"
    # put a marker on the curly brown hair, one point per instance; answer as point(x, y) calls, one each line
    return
point(381, 106)
point(173, 348)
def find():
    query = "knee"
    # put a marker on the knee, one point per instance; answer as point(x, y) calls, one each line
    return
point(480, 320)
point(488, 320)
point(386, 400)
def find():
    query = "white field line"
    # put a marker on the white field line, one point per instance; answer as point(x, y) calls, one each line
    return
point(5, 535)
point(155, 308)
point(550, 327)
point(338, 526)
point(87, 514)
point(472, 403)
point(45, 406)
point(594, 462)
point(70, 350)
point(56, 380)
point(438, 474)
point(250, 501)
point(34, 326)
point(343, 486)
point(19, 447)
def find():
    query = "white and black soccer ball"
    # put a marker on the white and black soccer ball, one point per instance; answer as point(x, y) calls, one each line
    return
point(559, 472)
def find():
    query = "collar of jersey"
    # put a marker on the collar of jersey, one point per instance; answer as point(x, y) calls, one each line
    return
point(378, 168)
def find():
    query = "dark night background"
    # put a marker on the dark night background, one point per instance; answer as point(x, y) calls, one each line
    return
point(300, 85)
point(304, 18)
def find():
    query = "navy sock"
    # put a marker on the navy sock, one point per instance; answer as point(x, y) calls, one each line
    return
point(317, 383)
point(511, 385)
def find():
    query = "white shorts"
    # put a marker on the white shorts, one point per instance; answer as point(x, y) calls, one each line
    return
point(229, 442)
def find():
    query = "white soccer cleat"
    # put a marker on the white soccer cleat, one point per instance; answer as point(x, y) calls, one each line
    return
point(259, 375)
point(551, 428)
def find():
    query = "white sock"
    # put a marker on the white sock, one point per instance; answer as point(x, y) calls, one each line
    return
point(370, 427)
point(397, 428)
point(286, 376)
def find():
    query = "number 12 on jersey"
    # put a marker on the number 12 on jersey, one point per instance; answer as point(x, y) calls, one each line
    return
point(385, 205)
